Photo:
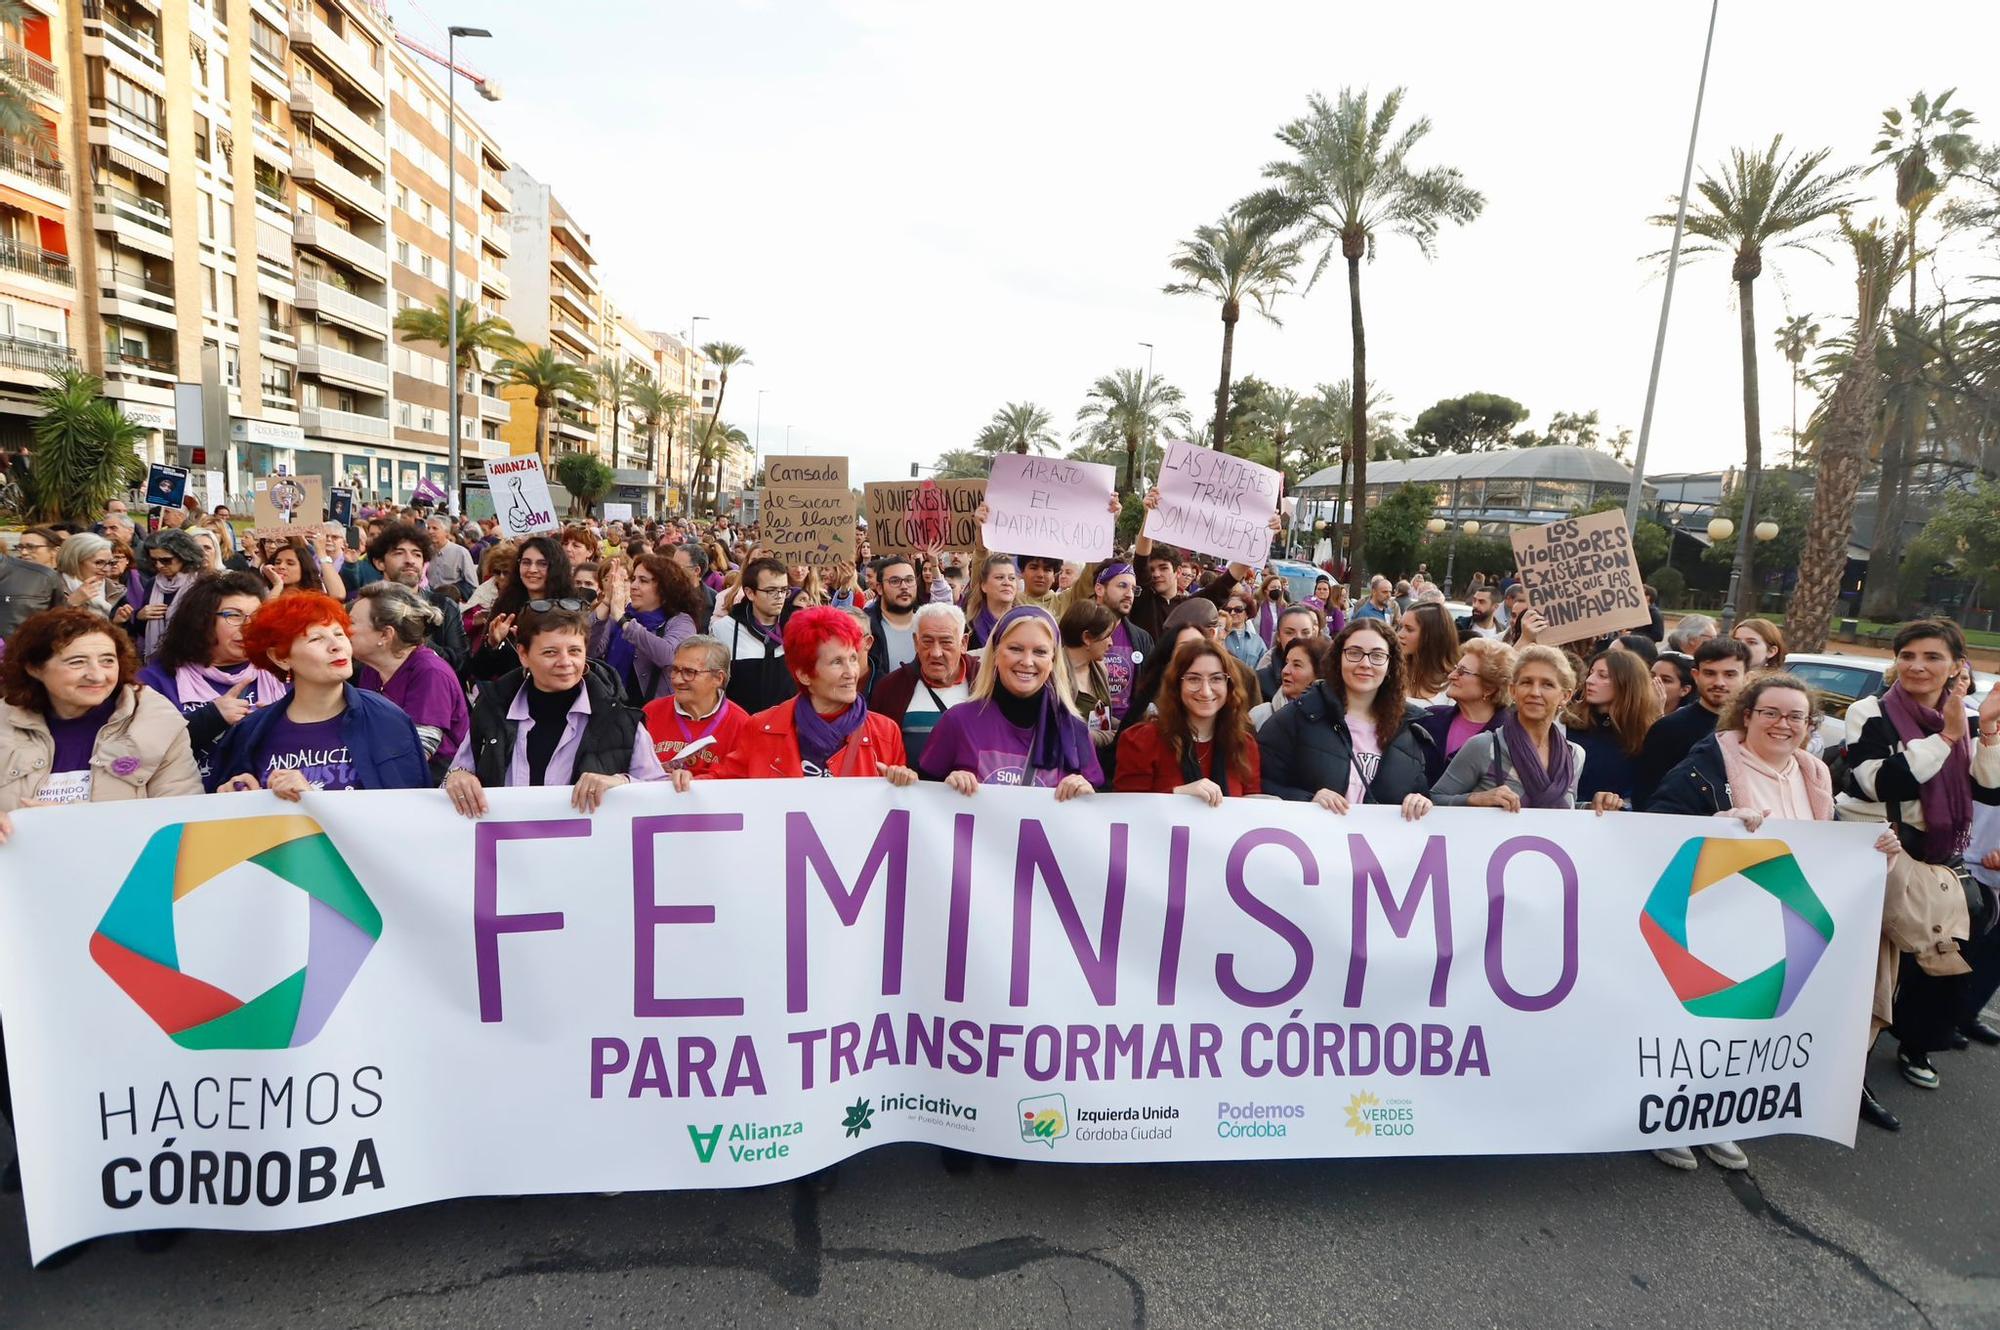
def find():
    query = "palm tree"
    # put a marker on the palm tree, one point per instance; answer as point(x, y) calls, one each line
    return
point(1128, 407)
point(1279, 411)
point(715, 446)
point(1913, 145)
point(548, 376)
point(722, 355)
point(1847, 428)
point(1761, 201)
point(1329, 414)
point(1796, 336)
point(1348, 177)
point(1018, 427)
point(476, 336)
point(660, 408)
point(615, 381)
point(86, 452)
point(1239, 258)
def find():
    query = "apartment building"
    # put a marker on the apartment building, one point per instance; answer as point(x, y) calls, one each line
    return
point(555, 299)
point(39, 219)
point(420, 241)
point(682, 368)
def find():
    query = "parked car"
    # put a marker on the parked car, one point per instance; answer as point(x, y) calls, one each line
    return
point(1843, 679)
point(1300, 578)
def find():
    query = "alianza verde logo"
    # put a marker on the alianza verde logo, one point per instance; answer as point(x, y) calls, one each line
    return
point(138, 942)
point(1705, 991)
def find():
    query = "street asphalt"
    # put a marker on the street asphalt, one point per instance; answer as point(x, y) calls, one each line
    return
point(1903, 1231)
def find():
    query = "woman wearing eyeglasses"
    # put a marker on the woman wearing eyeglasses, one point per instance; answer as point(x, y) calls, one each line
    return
point(1241, 639)
point(1529, 760)
point(541, 573)
point(646, 618)
point(1475, 701)
point(551, 722)
point(176, 561)
point(1350, 738)
point(324, 734)
point(1199, 742)
point(202, 667)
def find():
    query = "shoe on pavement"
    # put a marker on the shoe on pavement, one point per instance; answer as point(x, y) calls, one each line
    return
point(1980, 1032)
point(1873, 1111)
point(1726, 1154)
point(1917, 1070)
point(1678, 1156)
point(1958, 1041)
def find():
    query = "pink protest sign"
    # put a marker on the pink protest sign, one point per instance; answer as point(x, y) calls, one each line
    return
point(1050, 506)
point(1215, 504)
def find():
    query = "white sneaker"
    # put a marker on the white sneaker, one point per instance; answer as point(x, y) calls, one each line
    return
point(1726, 1154)
point(1677, 1156)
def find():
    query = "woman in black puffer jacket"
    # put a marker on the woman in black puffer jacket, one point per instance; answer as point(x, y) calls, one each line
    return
point(1349, 738)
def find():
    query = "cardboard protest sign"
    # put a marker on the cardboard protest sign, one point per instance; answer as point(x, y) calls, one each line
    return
point(806, 513)
point(1582, 575)
point(286, 505)
point(617, 512)
point(166, 486)
point(216, 488)
point(1050, 506)
point(906, 516)
point(521, 496)
point(1215, 504)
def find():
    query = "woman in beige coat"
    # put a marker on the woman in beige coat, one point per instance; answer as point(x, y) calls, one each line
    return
point(77, 726)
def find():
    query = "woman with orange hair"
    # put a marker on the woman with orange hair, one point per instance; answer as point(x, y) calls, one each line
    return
point(324, 734)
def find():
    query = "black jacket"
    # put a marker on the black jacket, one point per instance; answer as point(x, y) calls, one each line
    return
point(1668, 743)
point(1698, 786)
point(448, 638)
point(1306, 748)
point(606, 747)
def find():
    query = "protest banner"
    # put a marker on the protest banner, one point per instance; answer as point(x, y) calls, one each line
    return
point(241, 1013)
point(1582, 574)
point(216, 488)
point(806, 511)
point(521, 498)
point(908, 516)
point(166, 485)
point(284, 505)
point(617, 512)
point(1213, 503)
point(1050, 506)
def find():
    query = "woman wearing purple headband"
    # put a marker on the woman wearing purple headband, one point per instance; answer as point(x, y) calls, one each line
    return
point(1020, 725)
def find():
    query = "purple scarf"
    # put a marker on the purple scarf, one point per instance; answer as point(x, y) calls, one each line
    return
point(1062, 740)
point(1540, 787)
point(1946, 798)
point(205, 683)
point(819, 737)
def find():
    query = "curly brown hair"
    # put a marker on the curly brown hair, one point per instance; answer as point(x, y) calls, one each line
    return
point(37, 640)
point(1233, 732)
point(678, 593)
point(1390, 698)
point(1736, 716)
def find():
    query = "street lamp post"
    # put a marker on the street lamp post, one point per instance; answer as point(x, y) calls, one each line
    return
point(1436, 526)
point(457, 461)
point(1145, 390)
point(1721, 529)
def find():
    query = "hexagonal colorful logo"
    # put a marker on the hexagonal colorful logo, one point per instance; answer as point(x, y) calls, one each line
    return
point(261, 960)
point(1705, 991)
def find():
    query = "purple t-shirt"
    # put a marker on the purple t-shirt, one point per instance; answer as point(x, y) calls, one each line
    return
point(975, 737)
point(76, 739)
point(318, 751)
point(429, 693)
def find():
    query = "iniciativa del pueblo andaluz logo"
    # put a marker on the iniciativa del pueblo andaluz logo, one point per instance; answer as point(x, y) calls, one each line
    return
point(1705, 991)
point(138, 942)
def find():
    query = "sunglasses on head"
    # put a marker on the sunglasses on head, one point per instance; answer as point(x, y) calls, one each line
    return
point(566, 603)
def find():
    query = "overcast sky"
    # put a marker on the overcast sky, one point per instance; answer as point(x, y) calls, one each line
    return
point(911, 212)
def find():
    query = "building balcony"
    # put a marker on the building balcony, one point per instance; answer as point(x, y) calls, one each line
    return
point(112, 126)
point(345, 367)
point(349, 426)
point(493, 236)
point(494, 278)
point(350, 64)
point(574, 337)
point(124, 366)
point(573, 304)
point(131, 50)
point(565, 227)
point(34, 72)
point(569, 265)
point(34, 261)
point(24, 355)
point(138, 222)
point(577, 430)
point(495, 408)
point(42, 178)
point(343, 307)
point(334, 116)
point(329, 237)
point(342, 184)
point(494, 190)
point(128, 291)
point(274, 145)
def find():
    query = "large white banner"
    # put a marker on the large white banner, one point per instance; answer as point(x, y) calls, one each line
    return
point(230, 1012)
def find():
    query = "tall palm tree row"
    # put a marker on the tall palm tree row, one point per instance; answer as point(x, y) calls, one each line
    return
point(1847, 427)
point(1347, 177)
point(1018, 427)
point(724, 356)
point(1126, 410)
point(547, 375)
point(477, 337)
point(1762, 200)
point(615, 381)
point(660, 408)
point(1241, 257)
point(1796, 336)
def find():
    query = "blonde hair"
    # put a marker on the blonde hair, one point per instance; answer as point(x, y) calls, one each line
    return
point(1494, 661)
point(1059, 676)
point(1539, 654)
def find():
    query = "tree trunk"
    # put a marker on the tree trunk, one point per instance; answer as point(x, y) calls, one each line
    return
point(1131, 463)
point(1357, 445)
point(1229, 316)
point(542, 434)
point(1745, 573)
point(1882, 594)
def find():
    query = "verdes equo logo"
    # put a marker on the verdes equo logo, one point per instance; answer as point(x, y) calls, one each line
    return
point(1704, 990)
point(138, 943)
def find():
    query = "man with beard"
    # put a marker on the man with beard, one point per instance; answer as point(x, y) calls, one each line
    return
point(1116, 589)
point(1484, 621)
point(398, 554)
point(892, 619)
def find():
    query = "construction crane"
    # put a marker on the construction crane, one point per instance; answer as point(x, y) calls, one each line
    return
point(488, 88)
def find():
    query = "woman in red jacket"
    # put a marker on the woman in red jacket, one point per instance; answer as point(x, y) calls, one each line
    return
point(827, 730)
point(1200, 741)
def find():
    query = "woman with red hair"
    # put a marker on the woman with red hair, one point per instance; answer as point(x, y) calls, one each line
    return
point(827, 730)
point(324, 734)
